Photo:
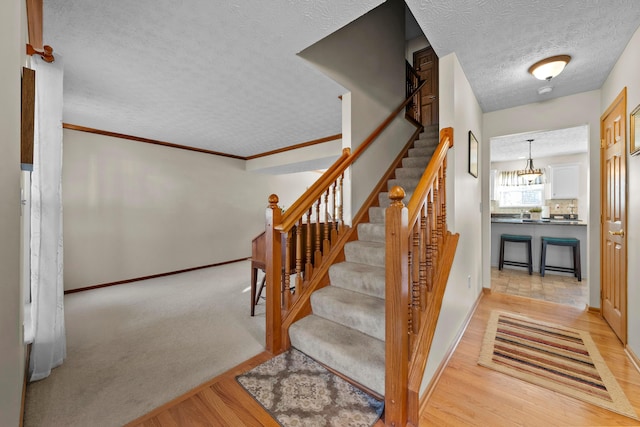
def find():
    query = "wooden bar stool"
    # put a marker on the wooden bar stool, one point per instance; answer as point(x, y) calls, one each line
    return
point(516, 238)
point(561, 241)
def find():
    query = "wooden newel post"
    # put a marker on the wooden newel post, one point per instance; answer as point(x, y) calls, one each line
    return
point(273, 260)
point(397, 310)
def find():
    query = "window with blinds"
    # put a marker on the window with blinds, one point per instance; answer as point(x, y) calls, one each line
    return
point(514, 191)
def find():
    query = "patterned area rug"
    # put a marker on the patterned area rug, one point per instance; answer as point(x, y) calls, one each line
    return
point(556, 357)
point(297, 391)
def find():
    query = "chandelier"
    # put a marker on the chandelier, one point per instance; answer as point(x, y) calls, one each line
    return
point(529, 173)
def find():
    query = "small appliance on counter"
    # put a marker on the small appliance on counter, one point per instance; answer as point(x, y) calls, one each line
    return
point(545, 212)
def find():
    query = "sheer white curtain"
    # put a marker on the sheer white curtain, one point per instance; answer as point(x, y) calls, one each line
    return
point(47, 291)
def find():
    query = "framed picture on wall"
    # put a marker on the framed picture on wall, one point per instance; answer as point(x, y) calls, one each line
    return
point(634, 125)
point(473, 155)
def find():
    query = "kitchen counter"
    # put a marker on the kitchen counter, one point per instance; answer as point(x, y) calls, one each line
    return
point(556, 255)
point(538, 221)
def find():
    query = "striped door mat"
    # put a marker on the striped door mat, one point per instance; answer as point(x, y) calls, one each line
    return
point(556, 357)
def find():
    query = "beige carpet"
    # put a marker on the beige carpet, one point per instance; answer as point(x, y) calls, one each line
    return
point(133, 347)
point(556, 357)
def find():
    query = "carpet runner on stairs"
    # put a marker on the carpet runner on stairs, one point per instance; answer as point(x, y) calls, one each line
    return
point(346, 329)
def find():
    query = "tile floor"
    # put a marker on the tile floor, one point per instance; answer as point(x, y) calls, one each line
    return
point(552, 287)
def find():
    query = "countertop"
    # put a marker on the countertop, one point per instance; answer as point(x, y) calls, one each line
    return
point(538, 221)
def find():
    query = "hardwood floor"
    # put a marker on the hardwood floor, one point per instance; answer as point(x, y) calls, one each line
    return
point(470, 395)
point(219, 402)
point(466, 395)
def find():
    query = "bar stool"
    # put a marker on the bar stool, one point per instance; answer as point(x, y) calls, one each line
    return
point(516, 238)
point(561, 241)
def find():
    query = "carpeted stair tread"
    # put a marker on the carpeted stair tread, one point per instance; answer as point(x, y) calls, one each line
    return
point(352, 353)
point(354, 310)
point(415, 162)
point(371, 253)
point(406, 183)
point(409, 173)
point(377, 214)
point(421, 152)
point(371, 232)
point(346, 329)
point(428, 142)
point(429, 133)
point(363, 278)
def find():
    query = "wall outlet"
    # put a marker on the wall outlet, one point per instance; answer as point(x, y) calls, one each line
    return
point(469, 282)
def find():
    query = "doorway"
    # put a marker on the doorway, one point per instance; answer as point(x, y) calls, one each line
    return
point(613, 271)
point(425, 62)
point(553, 203)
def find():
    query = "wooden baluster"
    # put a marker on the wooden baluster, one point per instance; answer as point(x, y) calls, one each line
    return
point(287, 269)
point(308, 269)
point(410, 323)
point(299, 250)
point(340, 210)
point(273, 260)
point(436, 218)
point(430, 241)
point(334, 210)
point(414, 265)
point(317, 259)
point(441, 212)
point(397, 314)
point(422, 280)
point(326, 244)
point(444, 194)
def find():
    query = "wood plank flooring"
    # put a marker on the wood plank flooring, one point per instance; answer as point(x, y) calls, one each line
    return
point(466, 394)
point(470, 395)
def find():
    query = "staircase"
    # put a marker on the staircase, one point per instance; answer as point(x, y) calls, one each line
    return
point(346, 330)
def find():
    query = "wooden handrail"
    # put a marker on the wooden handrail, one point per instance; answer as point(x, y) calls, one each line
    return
point(430, 174)
point(376, 133)
point(301, 241)
point(341, 165)
point(427, 329)
point(299, 207)
point(419, 252)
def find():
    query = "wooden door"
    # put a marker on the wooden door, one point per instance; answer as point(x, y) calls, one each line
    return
point(425, 62)
point(613, 265)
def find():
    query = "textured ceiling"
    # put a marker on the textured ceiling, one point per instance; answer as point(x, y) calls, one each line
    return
point(224, 75)
point(496, 41)
point(218, 75)
point(545, 144)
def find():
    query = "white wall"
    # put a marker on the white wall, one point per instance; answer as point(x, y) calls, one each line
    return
point(459, 109)
point(625, 73)
point(558, 113)
point(11, 341)
point(133, 209)
point(317, 156)
point(367, 58)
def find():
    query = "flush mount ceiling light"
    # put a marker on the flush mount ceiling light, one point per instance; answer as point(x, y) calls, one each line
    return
point(550, 67)
point(529, 172)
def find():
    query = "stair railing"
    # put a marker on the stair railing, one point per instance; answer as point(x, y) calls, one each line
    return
point(412, 81)
point(419, 254)
point(303, 242)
